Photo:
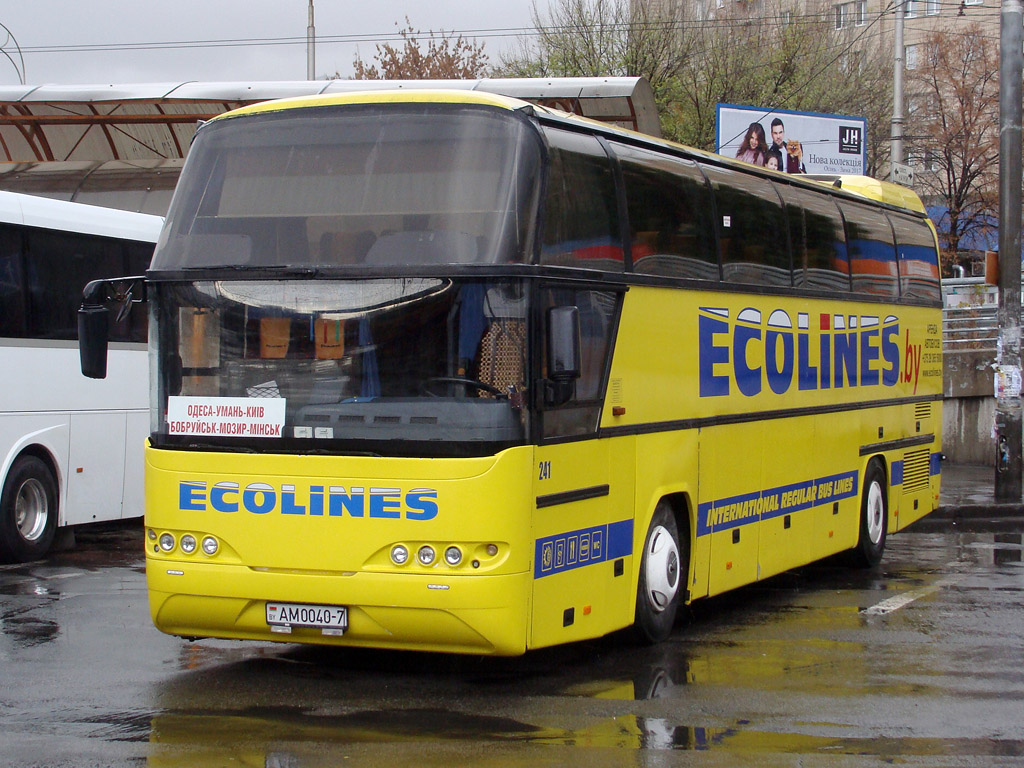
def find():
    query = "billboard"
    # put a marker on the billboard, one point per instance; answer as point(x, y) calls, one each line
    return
point(792, 142)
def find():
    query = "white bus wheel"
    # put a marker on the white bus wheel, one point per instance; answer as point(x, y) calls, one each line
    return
point(28, 511)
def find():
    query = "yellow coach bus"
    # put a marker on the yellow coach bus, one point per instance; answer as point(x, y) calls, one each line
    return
point(447, 371)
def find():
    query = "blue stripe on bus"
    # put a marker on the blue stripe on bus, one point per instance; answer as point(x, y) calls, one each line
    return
point(586, 546)
point(736, 511)
point(934, 468)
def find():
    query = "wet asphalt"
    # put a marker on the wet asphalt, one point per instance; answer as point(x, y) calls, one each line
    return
point(919, 662)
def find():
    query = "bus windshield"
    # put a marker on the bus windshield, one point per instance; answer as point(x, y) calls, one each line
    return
point(370, 186)
point(388, 366)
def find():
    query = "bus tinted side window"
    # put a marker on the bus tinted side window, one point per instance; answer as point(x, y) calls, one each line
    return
point(581, 218)
point(818, 240)
point(670, 215)
point(918, 258)
point(751, 229)
point(12, 287)
point(58, 266)
point(872, 250)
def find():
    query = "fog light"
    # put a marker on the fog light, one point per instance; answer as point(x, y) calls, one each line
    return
point(210, 545)
point(166, 542)
point(188, 543)
point(152, 534)
point(492, 549)
point(453, 556)
point(426, 555)
point(399, 554)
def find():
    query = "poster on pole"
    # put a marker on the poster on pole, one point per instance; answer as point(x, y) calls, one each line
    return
point(792, 142)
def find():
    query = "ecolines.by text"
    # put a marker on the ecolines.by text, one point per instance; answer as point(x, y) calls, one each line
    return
point(315, 500)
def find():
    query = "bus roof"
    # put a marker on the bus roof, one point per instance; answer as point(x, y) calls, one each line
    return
point(862, 186)
point(882, 191)
point(44, 213)
point(444, 96)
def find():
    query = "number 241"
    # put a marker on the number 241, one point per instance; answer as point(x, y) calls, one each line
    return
point(545, 470)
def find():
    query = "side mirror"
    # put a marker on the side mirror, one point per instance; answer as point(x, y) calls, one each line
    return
point(93, 319)
point(563, 354)
point(563, 343)
point(92, 340)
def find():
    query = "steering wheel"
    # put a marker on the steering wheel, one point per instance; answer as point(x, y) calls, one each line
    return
point(478, 385)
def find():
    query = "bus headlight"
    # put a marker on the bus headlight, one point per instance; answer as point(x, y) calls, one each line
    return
point(399, 554)
point(453, 556)
point(188, 543)
point(166, 542)
point(426, 555)
point(210, 545)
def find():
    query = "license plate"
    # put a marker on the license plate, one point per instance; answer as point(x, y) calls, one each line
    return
point(331, 617)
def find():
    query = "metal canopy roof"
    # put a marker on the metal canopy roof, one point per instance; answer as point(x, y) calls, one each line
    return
point(156, 121)
point(123, 146)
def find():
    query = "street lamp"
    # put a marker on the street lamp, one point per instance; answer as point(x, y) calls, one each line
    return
point(310, 45)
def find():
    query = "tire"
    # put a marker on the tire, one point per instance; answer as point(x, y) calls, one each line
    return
point(28, 511)
point(874, 517)
point(663, 570)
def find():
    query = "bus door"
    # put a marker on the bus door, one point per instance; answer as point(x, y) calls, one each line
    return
point(96, 463)
point(731, 501)
point(583, 518)
point(583, 539)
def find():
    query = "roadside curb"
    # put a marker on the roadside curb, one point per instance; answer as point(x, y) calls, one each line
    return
point(975, 511)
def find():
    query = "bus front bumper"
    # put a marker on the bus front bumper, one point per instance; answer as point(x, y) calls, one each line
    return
point(484, 614)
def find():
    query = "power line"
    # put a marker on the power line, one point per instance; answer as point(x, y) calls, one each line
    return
point(682, 25)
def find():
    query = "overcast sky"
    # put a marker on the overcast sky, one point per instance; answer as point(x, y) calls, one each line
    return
point(46, 29)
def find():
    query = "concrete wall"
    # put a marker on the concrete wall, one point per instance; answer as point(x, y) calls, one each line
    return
point(969, 408)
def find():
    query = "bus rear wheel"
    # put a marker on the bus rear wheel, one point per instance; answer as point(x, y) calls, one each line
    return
point(663, 567)
point(874, 517)
point(28, 511)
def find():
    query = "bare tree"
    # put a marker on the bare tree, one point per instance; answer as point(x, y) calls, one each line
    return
point(695, 61)
point(778, 60)
point(602, 38)
point(599, 38)
point(440, 56)
point(954, 130)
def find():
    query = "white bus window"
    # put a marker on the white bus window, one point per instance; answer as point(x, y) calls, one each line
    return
point(12, 290)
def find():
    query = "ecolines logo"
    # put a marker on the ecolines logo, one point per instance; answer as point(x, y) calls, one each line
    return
point(758, 349)
point(314, 500)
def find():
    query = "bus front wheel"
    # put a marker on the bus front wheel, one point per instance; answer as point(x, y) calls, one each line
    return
point(874, 517)
point(662, 570)
point(28, 511)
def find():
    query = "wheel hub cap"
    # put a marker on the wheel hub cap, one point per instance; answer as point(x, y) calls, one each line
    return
point(31, 510)
point(662, 570)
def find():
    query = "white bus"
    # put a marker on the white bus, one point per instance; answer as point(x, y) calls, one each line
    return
point(70, 447)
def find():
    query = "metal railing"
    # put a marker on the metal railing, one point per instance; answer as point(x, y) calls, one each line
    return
point(969, 328)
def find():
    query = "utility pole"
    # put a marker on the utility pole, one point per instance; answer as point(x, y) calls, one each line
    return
point(310, 46)
point(896, 133)
point(1008, 375)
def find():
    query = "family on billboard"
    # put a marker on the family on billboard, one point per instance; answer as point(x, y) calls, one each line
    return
point(780, 155)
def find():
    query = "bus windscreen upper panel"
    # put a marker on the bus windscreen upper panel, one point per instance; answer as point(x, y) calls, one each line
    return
point(357, 185)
